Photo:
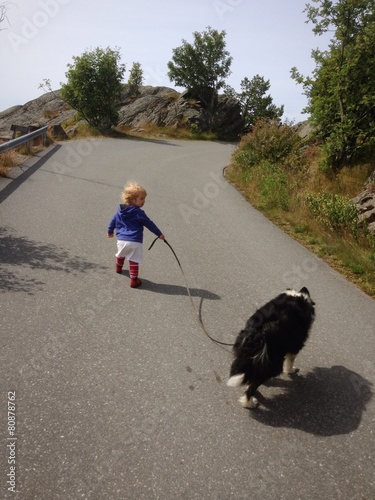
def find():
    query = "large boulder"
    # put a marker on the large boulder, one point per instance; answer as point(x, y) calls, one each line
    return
point(147, 105)
point(164, 107)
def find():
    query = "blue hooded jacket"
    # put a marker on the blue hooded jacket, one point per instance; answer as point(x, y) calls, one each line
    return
point(129, 221)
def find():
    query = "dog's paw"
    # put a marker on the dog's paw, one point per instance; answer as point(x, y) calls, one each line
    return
point(291, 371)
point(253, 403)
point(248, 403)
point(244, 401)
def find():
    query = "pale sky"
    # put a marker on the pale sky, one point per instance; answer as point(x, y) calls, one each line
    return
point(265, 37)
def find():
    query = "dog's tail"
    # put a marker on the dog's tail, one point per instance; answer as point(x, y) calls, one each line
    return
point(236, 380)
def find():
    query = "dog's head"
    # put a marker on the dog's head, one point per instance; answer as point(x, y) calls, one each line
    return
point(302, 293)
point(309, 304)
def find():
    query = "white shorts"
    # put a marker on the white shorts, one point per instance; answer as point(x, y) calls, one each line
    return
point(131, 250)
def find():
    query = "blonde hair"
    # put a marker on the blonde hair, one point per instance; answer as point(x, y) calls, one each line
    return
point(131, 191)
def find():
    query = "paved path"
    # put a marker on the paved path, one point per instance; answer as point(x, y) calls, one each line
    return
point(119, 394)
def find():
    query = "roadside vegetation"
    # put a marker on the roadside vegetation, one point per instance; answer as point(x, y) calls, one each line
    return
point(281, 175)
point(15, 157)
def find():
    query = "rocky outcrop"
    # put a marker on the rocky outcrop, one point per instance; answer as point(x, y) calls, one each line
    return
point(149, 105)
point(164, 107)
point(49, 109)
point(161, 106)
point(304, 129)
point(365, 203)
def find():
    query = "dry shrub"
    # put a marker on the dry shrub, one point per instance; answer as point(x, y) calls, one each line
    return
point(7, 162)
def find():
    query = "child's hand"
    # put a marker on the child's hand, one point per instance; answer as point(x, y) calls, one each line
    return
point(110, 235)
point(162, 237)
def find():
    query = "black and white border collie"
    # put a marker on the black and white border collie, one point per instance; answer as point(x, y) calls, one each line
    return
point(270, 341)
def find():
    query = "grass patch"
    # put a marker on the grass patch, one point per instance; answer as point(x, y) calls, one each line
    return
point(300, 228)
point(82, 129)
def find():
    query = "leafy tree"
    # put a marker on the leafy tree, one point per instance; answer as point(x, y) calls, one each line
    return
point(341, 96)
point(94, 86)
point(230, 92)
point(135, 76)
point(255, 104)
point(202, 67)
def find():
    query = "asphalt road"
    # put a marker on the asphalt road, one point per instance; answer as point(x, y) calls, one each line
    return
point(118, 392)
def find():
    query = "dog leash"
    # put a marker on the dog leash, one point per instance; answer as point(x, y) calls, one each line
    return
point(198, 313)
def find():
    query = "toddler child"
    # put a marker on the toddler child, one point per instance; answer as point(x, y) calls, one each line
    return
point(128, 222)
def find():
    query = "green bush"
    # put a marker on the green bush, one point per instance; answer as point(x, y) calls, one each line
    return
point(195, 130)
point(271, 142)
point(273, 185)
point(334, 211)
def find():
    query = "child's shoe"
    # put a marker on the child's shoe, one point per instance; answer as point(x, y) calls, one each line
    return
point(134, 282)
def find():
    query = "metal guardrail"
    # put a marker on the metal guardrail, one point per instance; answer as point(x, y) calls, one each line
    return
point(14, 143)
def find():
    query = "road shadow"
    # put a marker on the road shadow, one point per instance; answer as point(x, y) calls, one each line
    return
point(168, 289)
point(324, 402)
point(115, 134)
point(18, 252)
